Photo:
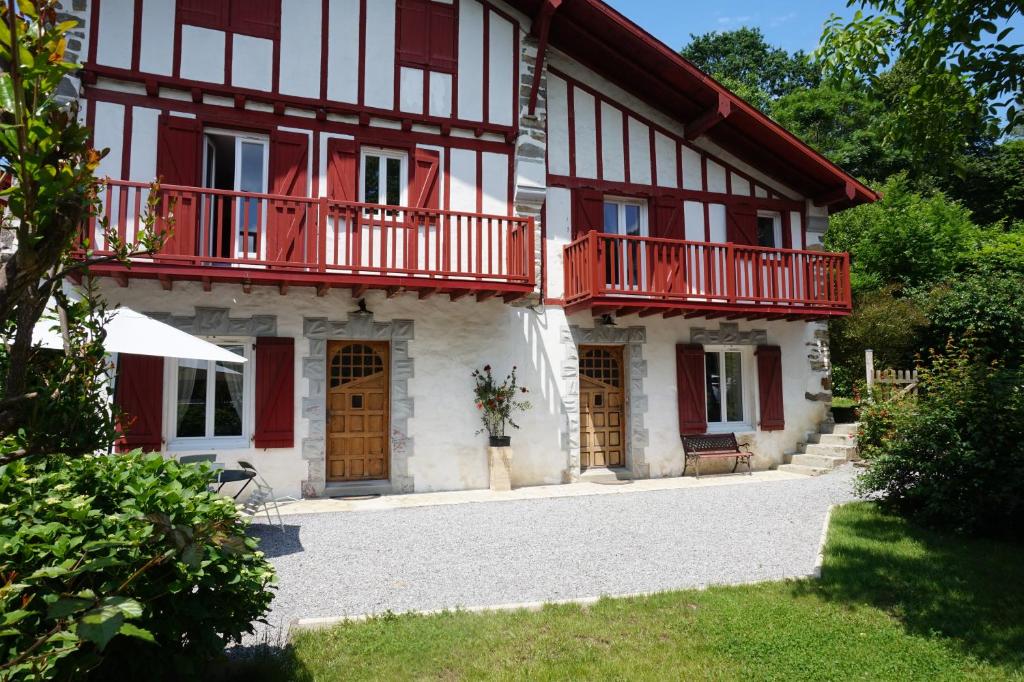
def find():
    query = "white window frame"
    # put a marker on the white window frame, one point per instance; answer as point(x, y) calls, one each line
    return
point(622, 202)
point(190, 443)
point(240, 138)
point(776, 226)
point(645, 231)
point(383, 153)
point(747, 389)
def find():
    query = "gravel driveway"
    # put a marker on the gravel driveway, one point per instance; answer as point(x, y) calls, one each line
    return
point(423, 558)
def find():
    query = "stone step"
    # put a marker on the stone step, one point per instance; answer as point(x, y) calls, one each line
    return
point(606, 475)
point(841, 429)
point(844, 451)
point(357, 489)
point(836, 439)
point(802, 470)
point(818, 461)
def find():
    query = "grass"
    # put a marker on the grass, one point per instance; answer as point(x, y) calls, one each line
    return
point(895, 602)
point(839, 401)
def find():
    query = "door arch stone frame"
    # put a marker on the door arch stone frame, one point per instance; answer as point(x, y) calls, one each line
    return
point(637, 435)
point(357, 327)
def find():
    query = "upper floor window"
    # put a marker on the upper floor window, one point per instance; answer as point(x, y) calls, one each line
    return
point(427, 35)
point(236, 162)
point(769, 230)
point(627, 217)
point(385, 177)
point(260, 18)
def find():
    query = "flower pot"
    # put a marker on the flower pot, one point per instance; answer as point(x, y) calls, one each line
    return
point(500, 441)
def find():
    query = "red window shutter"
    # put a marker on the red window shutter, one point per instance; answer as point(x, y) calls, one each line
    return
point(741, 224)
point(442, 37)
point(414, 32)
point(693, 409)
point(667, 217)
point(260, 18)
point(342, 170)
point(588, 212)
point(139, 394)
point(275, 393)
point(425, 180)
point(205, 13)
point(769, 385)
point(289, 176)
point(178, 150)
point(179, 162)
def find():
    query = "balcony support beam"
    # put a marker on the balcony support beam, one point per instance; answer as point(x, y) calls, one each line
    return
point(709, 119)
point(540, 30)
point(845, 193)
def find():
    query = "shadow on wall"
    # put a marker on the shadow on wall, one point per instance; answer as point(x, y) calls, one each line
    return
point(967, 591)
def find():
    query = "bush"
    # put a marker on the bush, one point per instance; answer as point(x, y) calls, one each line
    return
point(952, 456)
point(122, 567)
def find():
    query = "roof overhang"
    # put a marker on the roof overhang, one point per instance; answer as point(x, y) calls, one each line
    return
point(600, 38)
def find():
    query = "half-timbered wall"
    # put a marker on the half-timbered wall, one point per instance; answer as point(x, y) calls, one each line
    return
point(603, 141)
point(443, 61)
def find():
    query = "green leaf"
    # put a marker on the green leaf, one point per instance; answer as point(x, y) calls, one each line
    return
point(6, 92)
point(129, 607)
point(135, 631)
point(12, 617)
point(66, 606)
point(100, 626)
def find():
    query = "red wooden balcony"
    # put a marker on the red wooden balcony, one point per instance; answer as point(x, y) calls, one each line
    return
point(608, 273)
point(223, 236)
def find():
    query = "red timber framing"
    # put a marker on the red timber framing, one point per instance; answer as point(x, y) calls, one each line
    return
point(770, 201)
point(320, 106)
point(623, 275)
point(223, 236)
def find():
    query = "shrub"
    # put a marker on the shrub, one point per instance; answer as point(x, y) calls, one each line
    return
point(122, 567)
point(953, 455)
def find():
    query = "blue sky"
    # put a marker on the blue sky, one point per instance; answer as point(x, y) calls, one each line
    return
point(791, 24)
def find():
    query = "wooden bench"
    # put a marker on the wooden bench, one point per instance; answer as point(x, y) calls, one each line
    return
point(713, 446)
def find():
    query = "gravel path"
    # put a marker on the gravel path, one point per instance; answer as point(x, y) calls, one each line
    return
point(493, 553)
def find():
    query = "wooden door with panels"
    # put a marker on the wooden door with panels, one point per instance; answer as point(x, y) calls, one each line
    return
point(602, 407)
point(358, 410)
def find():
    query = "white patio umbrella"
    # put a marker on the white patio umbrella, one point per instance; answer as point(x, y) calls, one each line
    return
point(137, 334)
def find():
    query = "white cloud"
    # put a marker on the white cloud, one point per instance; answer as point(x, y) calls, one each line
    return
point(733, 21)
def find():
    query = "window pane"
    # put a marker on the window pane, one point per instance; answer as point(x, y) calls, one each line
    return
point(227, 407)
point(394, 167)
point(252, 167)
point(371, 180)
point(611, 218)
point(766, 231)
point(632, 219)
point(713, 378)
point(733, 387)
point(251, 180)
point(191, 399)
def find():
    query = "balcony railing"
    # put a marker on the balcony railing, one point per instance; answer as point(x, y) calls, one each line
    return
point(665, 274)
point(249, 236)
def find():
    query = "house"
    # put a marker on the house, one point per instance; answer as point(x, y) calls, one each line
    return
point(371, 198)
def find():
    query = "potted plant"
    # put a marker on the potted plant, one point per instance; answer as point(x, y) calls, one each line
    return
point(497, 402)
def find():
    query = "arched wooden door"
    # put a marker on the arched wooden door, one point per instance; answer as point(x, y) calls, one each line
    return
point(358, 410)
point(602, 407)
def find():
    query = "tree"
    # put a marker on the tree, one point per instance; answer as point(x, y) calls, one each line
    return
point(942, 44)
point(907, 238)
point(991, 182)
point(841, 124)
point(745, 63)
point(48, 404)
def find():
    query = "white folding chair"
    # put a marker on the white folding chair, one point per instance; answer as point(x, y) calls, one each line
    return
point(261, 497)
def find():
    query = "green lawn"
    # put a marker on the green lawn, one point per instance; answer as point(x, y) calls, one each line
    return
point(894, 603)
